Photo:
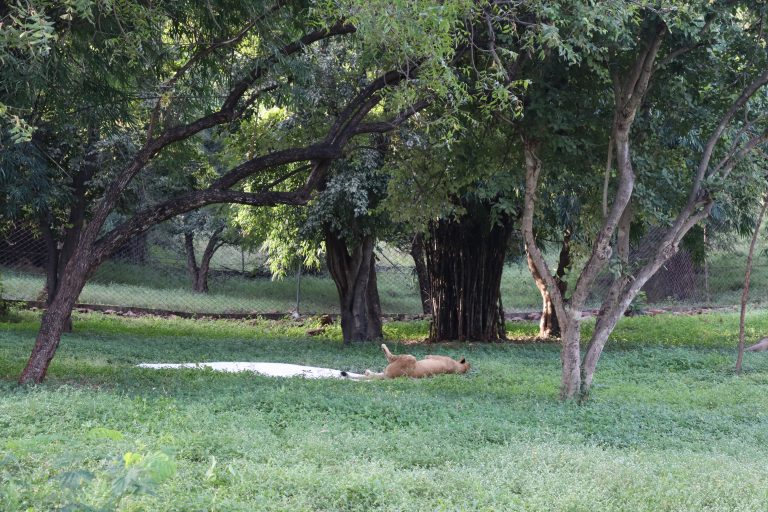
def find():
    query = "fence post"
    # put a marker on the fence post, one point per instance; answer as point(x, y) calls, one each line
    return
point(298, 288)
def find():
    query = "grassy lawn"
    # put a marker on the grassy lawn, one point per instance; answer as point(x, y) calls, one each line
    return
point(669, 427)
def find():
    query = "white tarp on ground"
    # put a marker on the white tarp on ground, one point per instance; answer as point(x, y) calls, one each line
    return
point(268, 369)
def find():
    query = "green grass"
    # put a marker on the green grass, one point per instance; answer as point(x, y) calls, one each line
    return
point(669, 426)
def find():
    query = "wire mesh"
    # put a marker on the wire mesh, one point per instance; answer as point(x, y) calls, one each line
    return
point(151, 272)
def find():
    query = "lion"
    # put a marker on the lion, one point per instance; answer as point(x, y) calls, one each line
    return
point(405, 365)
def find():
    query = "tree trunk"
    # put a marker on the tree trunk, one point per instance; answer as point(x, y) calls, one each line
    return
point(606, 321)
point(570, 357)
point(549, 325)
point(355, 277)
point(54, 322)
point(199, 274)
point(51, 262)
point(192, 269)
point(745, 291)
point(465, 260)
point(56, 260)
point(68, 267)
point(422, 275)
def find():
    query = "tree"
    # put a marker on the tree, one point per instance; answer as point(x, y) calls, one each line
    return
point(466, 211)
point(729, 143)
point(204, 224)
point(462, 169)
point(344, 215)
point(176, 96)
point(416, 251)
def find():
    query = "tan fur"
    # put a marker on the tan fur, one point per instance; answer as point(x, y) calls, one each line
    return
point(405, 365)
point(760, 346)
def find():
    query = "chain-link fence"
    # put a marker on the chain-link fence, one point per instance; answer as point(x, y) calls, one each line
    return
point(152, 272)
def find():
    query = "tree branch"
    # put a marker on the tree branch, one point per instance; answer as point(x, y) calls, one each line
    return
point(395, 122)
point(749, 91)
point(320, 151)
point(219, 191)
point(638, 84)
point(156, 214)
point(194, 59)
point(225, 113)
point(686, 49)
point(734, 157)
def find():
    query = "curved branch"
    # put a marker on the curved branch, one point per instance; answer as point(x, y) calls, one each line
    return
point(727, 164)
point(149, 217)
point(277, 158)
point(194, 59)
point(747, 93)
point(177, 133)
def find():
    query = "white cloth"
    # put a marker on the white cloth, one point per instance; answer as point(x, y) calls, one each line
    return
point(268, 369)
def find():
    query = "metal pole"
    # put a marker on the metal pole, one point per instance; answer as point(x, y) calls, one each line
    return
point(298, 288)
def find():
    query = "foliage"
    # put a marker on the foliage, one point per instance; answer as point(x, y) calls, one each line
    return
point(436, 173)
point(240, 442)
point(349, 204)
point(134, 475)
point(277, 232)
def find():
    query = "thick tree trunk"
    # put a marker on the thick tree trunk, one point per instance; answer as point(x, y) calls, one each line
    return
point(465, 260)
point(54, 322)
point(354, 274)
point(192, 269)
point(422, 274)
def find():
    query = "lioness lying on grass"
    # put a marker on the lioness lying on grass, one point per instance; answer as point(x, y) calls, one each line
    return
point(405, 365)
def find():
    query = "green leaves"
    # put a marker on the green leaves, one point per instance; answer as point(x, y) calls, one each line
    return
point(97, 491)
point(105, 433)
point(19, 130)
